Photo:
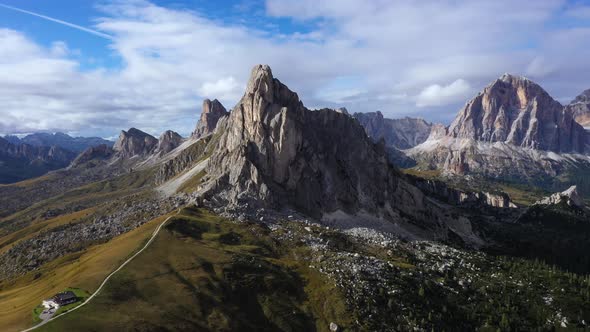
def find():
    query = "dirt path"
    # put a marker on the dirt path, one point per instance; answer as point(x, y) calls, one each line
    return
point(156, 231)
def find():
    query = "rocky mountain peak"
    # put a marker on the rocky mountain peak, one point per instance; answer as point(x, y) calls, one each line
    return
point(570, 196)
point(212, 112)
point(274, 152)
point(135, 142)
point(99, 152)
point(168, 141)
point(517, 111)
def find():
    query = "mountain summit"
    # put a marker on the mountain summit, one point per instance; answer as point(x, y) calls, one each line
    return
point(512, 129)
point(517, 111)
point(135, 142)
point(273, 152)
point(212, 112)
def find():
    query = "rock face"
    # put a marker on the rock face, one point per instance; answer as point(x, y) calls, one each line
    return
point(569, 197)
point(438, 131)
point(23, 161)
point(511, 130)
point(135, 142)
point(398, 133)
point(463, 198)
point(517, 111)
point(579, 108)
point(274, 152)
point(168, 141)
point(100, 152)
point(212, 112)
point(181, 162)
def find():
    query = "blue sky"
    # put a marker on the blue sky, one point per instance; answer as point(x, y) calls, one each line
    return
point(149, 64)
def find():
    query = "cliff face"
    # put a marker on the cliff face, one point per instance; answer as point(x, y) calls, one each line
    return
point(135, 142)
point(570, 197)
point(100, 152)
point(274, 152)
point(517, 111)
point(512, 130)
point(402, 133)
point(168, 141)
point(464, 198)
point(212, 112)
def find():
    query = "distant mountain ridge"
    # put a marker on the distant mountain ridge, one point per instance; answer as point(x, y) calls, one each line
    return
point(23, 161)
point(65, 141)
point(401, 133)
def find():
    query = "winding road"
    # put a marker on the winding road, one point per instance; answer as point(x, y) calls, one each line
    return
point(156, 231)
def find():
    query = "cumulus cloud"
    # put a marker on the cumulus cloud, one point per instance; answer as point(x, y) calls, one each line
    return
point(436, 95)
point(225, 88)
point(386, 55)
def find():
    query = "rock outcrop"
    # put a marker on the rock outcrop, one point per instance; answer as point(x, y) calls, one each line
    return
point(579, 108)
point(455, 196)
point(401, 134)
point(135, 142)
point(437, 131)
point(273, 152)
point(184, 160)
point(519, 112)
point(100, 152)
point(212, 112)
point(569, 197)
point(168, 141)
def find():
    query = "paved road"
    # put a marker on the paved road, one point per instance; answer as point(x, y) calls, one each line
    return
point(156, 231)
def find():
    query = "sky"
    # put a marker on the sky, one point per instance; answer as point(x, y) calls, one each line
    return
point(93, 68)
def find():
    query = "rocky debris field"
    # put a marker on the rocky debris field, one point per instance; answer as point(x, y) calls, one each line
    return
point(391, 285)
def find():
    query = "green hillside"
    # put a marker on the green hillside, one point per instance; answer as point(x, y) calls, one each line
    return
point(204, 273)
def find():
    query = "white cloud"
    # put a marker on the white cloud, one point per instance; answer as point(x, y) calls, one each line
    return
point(436, 95)
point(539, 67)
point(396, 53)
point(225, 88)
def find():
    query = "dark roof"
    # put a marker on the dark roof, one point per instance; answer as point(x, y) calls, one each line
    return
point(65, 296)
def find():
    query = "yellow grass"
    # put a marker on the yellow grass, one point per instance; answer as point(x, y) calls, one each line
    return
point(84, 270)
point(29, 182)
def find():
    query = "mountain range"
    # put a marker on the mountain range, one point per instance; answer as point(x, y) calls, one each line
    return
point(22, 161)
point(273, 216)
point(36, 154)
point(64, 141)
